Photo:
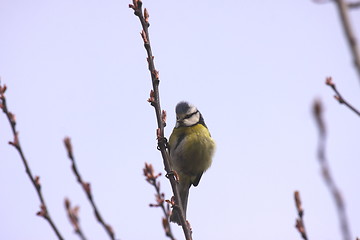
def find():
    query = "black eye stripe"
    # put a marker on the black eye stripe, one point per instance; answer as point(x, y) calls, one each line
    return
point(190, 115)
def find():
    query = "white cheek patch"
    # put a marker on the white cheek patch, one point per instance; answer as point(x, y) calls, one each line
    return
point(194, 119)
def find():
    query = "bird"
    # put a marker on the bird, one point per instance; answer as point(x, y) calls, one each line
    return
point(191, 150)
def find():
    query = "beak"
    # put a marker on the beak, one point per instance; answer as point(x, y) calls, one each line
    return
point(178, 123)
point(180, 120)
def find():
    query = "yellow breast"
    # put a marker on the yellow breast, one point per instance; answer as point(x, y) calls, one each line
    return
point(191, 149)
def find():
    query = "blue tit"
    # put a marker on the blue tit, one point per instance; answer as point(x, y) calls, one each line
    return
point(191, 149)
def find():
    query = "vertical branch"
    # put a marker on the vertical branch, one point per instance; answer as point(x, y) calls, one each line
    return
point(325, 169)
point(300, 221)
point(349, 33)
point(151, 178)
point(160, 115)
point(87, 189)
point(34, 180)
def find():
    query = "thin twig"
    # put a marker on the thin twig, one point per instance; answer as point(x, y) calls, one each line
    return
point(325, 169)
point(34, 180)
point(73, 214)
point(160, 115)
point(87, 189)
point(300, 221)
point(338, 96)
point(160, 198)
point(349, 33)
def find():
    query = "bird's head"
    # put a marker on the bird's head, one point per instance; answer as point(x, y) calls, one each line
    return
point(187, 115)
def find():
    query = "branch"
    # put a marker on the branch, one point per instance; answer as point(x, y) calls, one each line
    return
point(343, 7)
point(34, 180)
point(87, 189)
point(349, 33)
point(73, 214)
point(300, 221)
point(160, 115)
point(338, 96)
point(353, 5)
point(325, 169)
point(160, 198)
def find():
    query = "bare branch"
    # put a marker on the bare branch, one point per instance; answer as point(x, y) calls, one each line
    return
point(160, 198)
point(300, 221)
point(325, 169)
point(338, 96)
point(73, 214)
point(343, 8)
point(87, 189)
point(349, 33)
point(155, 102)
point(34, 180)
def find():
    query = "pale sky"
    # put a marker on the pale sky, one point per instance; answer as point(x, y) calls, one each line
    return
point(253, 69)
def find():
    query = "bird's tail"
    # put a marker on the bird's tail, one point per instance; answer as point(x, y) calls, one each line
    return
point(184, 194)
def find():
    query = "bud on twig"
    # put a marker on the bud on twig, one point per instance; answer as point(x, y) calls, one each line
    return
point(151, 99)
point(2, 89)
point(43, 211)
point(298, 203)
point(86, 187)
point(163, 117)
point(109, 228)
point(299, 221)
point(12, 118)
point(318, 114)
point(338, 96)
point(68, 146)
point(146, 15)
point(15, 143)
point(37, 182)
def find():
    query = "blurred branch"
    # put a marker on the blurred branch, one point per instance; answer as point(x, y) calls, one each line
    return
point(34, 180)
point(73, 214)
point(160, 115)
point(160, 198)
point(343, 8)
point(87, 189)
point(338, 96)
point(322, 1)
point(300, 221)
point(353, 4)
point(325, 169)
point(349, 33)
